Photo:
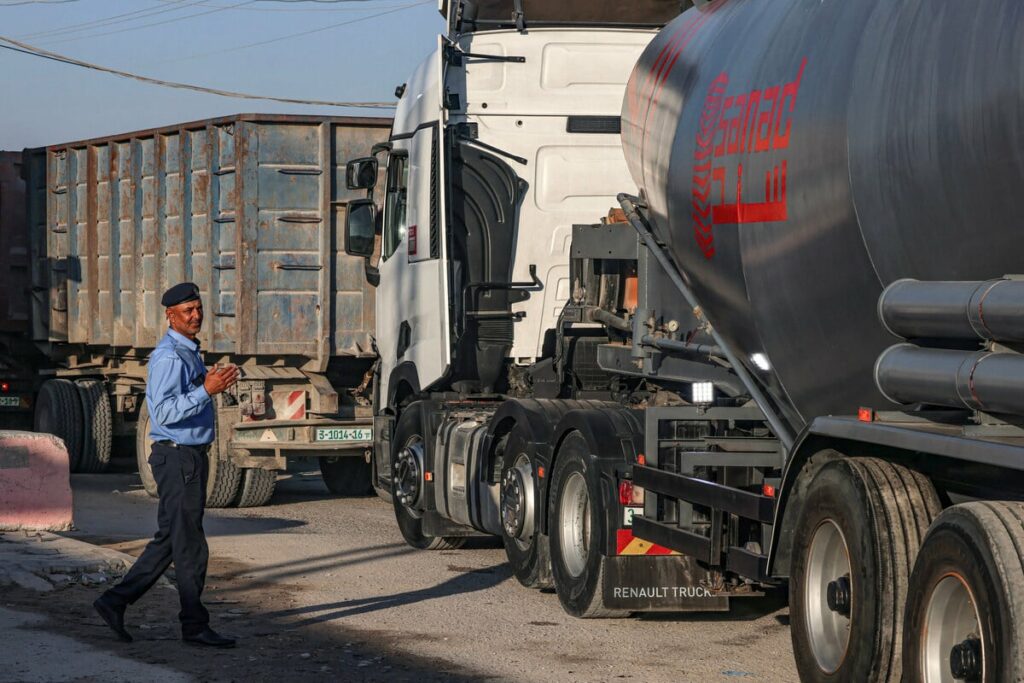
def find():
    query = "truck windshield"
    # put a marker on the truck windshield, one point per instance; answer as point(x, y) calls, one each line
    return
point(483, 15)
point(394, 204)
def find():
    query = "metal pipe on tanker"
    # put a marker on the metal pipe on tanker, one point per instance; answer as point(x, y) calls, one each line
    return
point(977, 380)
point(992, 309)
point(629, 206)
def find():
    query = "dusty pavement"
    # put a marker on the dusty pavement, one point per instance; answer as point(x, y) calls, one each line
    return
point(324, 588)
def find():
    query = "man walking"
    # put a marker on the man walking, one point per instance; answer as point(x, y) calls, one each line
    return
point(178, 395)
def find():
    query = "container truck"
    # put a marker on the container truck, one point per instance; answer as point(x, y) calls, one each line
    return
point(795, 362)
point(250, 208)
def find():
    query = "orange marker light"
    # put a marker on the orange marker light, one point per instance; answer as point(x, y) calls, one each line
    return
point(768, 490)
point(641, 459)
point(866, 415)
point(428, 476)
point(540, 472)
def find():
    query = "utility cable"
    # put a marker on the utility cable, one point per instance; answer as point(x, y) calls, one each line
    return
point(292, 9)
point(297, 35)
point(114, 19)
point(155, 23)
point(18, 46)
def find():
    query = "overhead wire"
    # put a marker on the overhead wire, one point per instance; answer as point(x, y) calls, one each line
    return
point(155, 23)
point(18, 46)
point(114, 19)
point(297, 35)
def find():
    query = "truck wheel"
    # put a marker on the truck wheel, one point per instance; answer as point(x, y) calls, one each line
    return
point(59, 412)
point(98, 425)
point(577, 528)
point(527, 549)
point(143, 445)
point(347, 475)
point(408, 435)
point(965, 613)
point(224, 482)
point(860, 528)
point(257, 487)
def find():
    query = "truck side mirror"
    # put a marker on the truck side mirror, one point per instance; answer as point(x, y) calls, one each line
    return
point(360, 227)
point(361, 174)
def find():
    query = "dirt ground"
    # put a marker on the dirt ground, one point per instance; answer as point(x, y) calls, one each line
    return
point(271, 646)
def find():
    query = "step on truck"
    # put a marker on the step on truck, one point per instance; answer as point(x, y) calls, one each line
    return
point(790, 358)
point(250, 208)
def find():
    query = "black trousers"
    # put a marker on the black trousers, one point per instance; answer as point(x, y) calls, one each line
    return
point(181, 473)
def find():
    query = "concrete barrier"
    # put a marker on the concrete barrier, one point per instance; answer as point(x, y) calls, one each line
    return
point(35, 487)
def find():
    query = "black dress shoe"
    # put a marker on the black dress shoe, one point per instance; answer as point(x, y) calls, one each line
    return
point(114, 618)
point(208, 637)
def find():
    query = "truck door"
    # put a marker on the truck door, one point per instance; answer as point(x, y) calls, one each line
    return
point(412, 308)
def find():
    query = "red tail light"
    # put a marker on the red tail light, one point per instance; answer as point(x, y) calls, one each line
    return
point(630, 494)
point(5, 387)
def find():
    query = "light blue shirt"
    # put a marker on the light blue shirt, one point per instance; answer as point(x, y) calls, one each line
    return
point(180, 410)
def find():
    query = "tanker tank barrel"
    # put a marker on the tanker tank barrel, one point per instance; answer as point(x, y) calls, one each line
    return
point(976, 380)
point(991, 310)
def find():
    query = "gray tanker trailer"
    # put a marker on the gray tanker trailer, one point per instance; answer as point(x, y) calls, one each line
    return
point(835, 188)
point(726, 402)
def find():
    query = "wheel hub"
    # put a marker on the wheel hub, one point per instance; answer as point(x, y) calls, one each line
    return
point(952, 647)
point(828, 600)
point(965, 660)
point(517, 501)
point(838, 595)
point(409, 475)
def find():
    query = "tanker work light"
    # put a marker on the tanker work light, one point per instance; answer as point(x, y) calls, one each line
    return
point(702, 392)
point(761, 361)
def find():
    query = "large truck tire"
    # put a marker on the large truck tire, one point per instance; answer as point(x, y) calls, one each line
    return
point(347, 475)
point(97, 423)
point(257, 487)
point(577, 526)
point(408, 433)
point(965, 613)
point(224, 481)
point(59, 412)
point(860, 529)
point(527, 549)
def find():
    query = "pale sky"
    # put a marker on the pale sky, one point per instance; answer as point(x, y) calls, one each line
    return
point(43, 102)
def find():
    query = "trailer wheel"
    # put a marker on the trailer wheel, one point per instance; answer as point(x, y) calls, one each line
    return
point(408, 434)
point(224, 482)
point(257, 487)
point(59, 412)
point(577, 527)
point(965, 613)
point(859, 532)
point(527, 549)
point(98, 425)
point(347, 475)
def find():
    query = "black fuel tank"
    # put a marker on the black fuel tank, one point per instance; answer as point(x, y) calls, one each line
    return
point(799, 155)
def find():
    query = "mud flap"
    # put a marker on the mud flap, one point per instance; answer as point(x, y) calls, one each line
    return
point(660, 584)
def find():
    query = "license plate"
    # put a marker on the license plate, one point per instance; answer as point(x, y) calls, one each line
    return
point(344, 434)
point(629, 513)
point(10, 401)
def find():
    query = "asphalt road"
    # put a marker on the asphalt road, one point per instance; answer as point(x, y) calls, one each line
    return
point(337, 567)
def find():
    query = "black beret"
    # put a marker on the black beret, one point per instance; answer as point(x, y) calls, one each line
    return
point(179, 294)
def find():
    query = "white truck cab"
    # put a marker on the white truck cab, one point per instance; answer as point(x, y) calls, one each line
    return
point(504, 138)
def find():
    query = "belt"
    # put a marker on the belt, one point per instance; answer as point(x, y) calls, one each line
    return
point(171, 444)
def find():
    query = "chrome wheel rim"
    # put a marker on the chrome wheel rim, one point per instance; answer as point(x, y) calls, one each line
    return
point(409, 473)
point(574, 515)
point(828, 560)
point(517, 502)
point(951, 621)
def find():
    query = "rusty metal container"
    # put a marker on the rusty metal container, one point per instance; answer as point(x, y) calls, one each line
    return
point(250, 207)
